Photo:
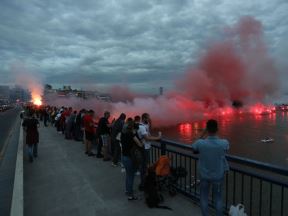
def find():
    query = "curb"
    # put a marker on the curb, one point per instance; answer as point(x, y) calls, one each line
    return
point(17, 206)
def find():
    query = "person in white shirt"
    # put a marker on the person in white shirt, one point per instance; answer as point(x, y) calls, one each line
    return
point(146, 138)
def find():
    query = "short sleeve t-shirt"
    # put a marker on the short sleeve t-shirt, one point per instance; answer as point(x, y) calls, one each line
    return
point(88, 123)
point(212, 161)
point(142, 132)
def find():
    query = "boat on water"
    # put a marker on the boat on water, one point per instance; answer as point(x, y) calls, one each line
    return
point(267, 139)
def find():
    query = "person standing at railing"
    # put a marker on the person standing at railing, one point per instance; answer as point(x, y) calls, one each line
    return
point(129, 141)
point(212, 166)
point(115, 138)
point(103, 132)
point(89, 132)
point(146, 138)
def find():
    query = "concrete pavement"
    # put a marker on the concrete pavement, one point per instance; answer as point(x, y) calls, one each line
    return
point(8, 157)
point(64, 181)
point(7, 122)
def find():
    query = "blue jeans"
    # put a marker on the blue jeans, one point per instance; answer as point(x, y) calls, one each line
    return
point(33, 150)
point(130, 173)
point(116, 151)
point(217, 194)
point(145, 164)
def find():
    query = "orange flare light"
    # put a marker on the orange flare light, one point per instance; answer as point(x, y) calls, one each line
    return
point(37, 101)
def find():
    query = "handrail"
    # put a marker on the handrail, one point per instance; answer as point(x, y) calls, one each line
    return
point(261, 176)
point(236, 159)
point(261, 184)
point(257, 164)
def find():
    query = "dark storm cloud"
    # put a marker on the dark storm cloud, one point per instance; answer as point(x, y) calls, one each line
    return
point(100, 78)
point(133, 42)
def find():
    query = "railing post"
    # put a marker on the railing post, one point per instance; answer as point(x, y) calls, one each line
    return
point(163, 148)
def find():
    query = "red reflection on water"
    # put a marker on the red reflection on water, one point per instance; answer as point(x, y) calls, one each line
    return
point(226, 111)
point(258, 117)
point(272, 117)
point(261, 109)
point(185, 130)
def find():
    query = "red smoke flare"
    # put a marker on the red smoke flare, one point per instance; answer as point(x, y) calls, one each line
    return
point(236, 70)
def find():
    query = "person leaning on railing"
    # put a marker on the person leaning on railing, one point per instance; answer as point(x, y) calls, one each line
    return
point(146, 138)
point(212, 165)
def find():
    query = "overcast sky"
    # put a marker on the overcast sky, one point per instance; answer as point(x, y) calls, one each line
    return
point(142, 43)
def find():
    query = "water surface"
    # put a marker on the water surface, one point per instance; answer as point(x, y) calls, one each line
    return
point(244, 133)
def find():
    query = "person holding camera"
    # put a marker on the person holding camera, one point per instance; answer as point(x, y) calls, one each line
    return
point(212, 166)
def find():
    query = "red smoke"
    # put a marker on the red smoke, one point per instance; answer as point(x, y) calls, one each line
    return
point(238, 68)
point(235, 69)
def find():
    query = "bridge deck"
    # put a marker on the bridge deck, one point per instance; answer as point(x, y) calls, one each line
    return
point(64, 181)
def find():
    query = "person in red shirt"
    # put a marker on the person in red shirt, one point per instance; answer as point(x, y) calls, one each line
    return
point(89, 131)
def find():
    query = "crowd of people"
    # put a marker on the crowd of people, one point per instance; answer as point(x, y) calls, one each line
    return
point(127, 142)
point(123, 141)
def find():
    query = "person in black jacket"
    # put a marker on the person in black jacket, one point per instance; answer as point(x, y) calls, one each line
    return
point(129, 140)
point(30, 126)
point(115, 138)
point(78, 126)
point(103, 132)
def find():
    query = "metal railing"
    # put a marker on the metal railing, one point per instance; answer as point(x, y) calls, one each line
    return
point(262, 188)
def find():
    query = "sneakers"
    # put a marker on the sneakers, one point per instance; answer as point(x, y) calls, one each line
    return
point(114, 164)
point(117, 164)
point(130, 198)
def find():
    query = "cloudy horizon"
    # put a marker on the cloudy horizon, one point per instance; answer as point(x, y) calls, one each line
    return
point(141, 44)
